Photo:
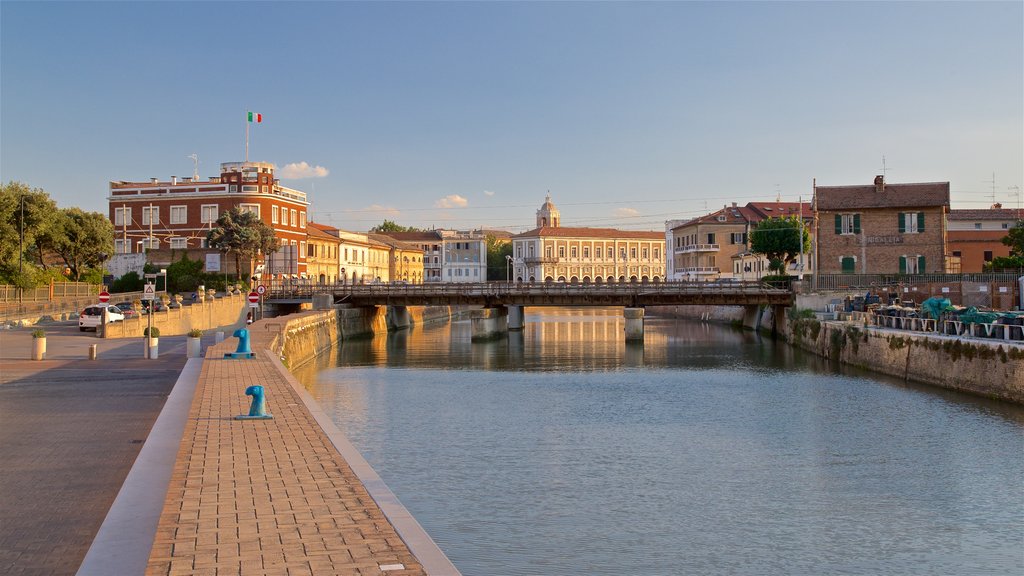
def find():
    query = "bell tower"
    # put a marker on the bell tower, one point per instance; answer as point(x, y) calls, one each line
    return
point(548, 215)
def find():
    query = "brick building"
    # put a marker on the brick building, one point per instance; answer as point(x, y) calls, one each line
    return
point(882, 228)
point(177, 214)
point(975, 236)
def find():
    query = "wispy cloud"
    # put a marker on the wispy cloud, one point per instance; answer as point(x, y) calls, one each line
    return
point(488, 192)
point(451, 201)
point(385, 211)
point(627, 212)
point(302, 170)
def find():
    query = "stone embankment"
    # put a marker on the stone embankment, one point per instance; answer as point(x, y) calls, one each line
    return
point(994, 369)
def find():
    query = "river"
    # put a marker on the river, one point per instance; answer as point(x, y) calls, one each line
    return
point(706, 450)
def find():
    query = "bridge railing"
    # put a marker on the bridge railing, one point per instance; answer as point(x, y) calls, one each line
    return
point(442, 289)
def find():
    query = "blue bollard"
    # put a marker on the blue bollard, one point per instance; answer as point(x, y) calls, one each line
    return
point(258, 409)
point(243, 351)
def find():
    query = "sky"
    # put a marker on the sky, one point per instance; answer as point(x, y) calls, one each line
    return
point(467, 114)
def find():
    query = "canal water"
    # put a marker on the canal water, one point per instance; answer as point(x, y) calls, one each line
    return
point(707, 450)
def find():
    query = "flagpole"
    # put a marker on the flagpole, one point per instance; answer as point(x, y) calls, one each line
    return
point(247, 136)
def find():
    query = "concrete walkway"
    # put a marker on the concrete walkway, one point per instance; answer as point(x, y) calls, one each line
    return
point(274, 496)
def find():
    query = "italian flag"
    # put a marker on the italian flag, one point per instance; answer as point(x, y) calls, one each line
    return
point(254, 117)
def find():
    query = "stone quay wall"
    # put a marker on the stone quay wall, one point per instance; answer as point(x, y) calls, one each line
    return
point(219, 313)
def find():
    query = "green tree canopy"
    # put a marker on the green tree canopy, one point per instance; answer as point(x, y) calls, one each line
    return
point(244, 235)
point(497, 250)
point(82, 239)
point(1015, 239)
point(25, 214)
point(778, 239)
point(390, 226)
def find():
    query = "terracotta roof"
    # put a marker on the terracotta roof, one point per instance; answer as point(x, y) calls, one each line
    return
point(775, 209)
point(562, 232)
point(427, 236)
point(388, 240)
point(987, 214)
point(318, 232)
point(324, 227)
point(917, 195)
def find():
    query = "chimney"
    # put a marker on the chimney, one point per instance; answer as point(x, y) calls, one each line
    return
point(733, 204)
point(997, 206)
point(879, 183)
point(174, 180)
point(154, 180)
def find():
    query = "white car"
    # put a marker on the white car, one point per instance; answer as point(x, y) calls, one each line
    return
point(93, 315)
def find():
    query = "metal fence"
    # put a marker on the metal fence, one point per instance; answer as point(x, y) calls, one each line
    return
point(55, 291)
point(866, 281)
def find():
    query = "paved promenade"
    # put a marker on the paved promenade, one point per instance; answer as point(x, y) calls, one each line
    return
point(270, 496)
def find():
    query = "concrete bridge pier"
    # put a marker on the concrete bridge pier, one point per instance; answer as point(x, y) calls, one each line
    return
point(634, 324)
point(752, 317)
point(489, 323)
point(398, 318)
point(515, 317)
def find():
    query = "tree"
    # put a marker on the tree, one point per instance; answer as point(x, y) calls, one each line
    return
point(497, 250)
point(25, 214)
point(244, 235)
point(778, 239)
point(82, 239)
point(390, 226)
point(1015, 239)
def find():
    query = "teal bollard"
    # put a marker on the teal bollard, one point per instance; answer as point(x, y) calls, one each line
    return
point(244, 350)
point(258, 408)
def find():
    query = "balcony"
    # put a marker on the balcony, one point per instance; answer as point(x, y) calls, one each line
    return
point(533, 260)
point(699, 270)
point(697, 248)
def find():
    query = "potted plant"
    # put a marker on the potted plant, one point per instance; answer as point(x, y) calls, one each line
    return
point(195, 343)
point(38, 344)
point(152, 336)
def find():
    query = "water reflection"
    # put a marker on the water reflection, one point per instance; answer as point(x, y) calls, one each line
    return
point(561, 450)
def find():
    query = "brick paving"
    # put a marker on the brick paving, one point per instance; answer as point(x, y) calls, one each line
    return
point(266, 496)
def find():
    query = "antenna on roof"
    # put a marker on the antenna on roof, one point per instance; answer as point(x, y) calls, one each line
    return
point(993, 183)
point(778, 193)
point(884, 167)
point(195, 166)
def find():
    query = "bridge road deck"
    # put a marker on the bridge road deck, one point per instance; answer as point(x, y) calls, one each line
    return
point(493, 294)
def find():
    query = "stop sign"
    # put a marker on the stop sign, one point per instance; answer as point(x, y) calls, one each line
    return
point(104, 297)
point(254, 297)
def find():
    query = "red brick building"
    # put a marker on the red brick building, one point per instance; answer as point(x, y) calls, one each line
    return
point(975, 236)
point(882, 228)
point(177, 214)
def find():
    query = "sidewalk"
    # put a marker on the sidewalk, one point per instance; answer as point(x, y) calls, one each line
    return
point(267, 496)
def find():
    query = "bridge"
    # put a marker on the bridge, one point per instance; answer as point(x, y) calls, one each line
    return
point(499, 300)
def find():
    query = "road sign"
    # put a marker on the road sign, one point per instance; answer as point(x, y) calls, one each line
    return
point(261, 289)
point(149, 292)
point(104, 297)
point(253, 297)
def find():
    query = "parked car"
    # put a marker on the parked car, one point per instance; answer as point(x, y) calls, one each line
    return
point(93, 315)
point(127, 309)
point(157, 306)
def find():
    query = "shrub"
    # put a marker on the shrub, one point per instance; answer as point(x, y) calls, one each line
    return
point(154, 331)
point(195, 333)
point(39, 333)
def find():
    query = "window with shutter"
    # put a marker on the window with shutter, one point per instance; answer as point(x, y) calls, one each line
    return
point(849, 264)
point(921, 269)
point(903, 222)
point(920, 221)
point(903, 264)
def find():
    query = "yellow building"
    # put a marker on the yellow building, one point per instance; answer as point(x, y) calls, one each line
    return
point(405, 261)
point(322, 250)
point(553, 253)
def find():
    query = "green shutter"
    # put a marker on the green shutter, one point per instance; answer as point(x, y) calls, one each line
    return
point(920, 265)
point(848, 264)
point(920, 221)
point(839, 223)
point(903, 264)
point(856, 223)
point(903, 222)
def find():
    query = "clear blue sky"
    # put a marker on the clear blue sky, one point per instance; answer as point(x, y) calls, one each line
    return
point(466, 114)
